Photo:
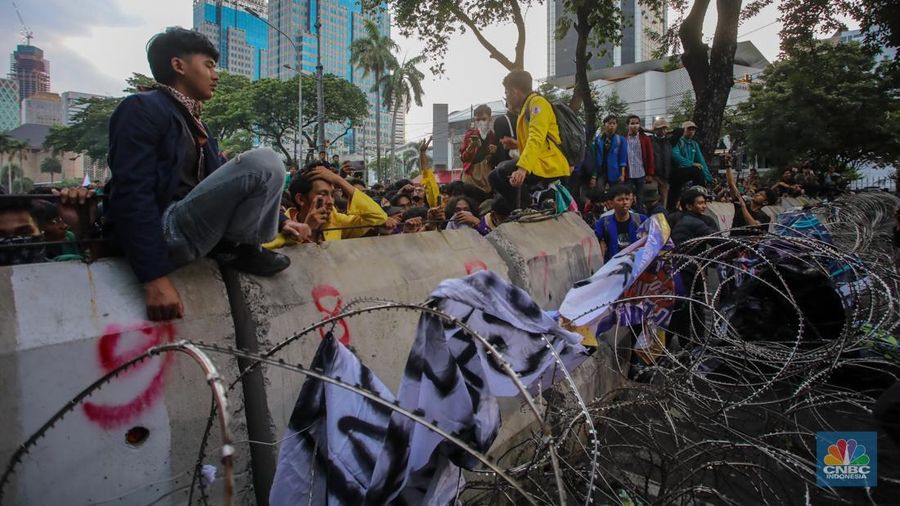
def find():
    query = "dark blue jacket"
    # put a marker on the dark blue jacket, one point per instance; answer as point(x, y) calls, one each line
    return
point(616, 159)
point(149, 142)
point(607, 231)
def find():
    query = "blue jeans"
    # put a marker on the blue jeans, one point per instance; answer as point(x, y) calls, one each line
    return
point(239, 202)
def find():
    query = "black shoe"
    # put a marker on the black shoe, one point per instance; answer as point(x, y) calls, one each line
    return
point(259, 261)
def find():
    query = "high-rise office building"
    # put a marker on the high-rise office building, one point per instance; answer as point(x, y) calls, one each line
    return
point(9, 104)
point(42, 109)
point(342, 23)
point(636, 44)
point(241, 37)
point(72, 102)
point(29, 68)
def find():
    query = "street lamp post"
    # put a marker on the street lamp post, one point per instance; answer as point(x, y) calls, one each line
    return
point(320, 91)
point(299, 72)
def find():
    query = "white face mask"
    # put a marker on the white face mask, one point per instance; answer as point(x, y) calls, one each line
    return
point(483, 128)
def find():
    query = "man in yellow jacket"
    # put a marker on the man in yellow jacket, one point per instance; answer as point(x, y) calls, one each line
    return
point(312, 193)
point(538, 142)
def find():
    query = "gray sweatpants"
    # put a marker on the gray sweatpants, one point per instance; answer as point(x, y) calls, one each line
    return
point(239, 202)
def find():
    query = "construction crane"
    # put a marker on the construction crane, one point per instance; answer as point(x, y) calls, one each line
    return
point(28, 34)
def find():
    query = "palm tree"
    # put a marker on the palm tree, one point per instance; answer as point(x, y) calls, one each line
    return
point(14, 148)
point(51, 166)
point(373, 54)
point(401, 87)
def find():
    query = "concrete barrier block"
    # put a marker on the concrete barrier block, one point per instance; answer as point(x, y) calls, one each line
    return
point(323, 279)
point(547, 258)
point(723, 212)
point(67, 324)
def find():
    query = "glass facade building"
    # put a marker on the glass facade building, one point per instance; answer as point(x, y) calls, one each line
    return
point(241, 37)
point(342, 22)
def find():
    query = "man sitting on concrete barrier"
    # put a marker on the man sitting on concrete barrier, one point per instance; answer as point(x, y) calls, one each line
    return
point(312, 192)
point(170, 201)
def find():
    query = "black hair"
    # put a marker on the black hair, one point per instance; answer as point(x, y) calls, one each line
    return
point(610, 117)
point(689, 196)
point(14, 204)
point(450, 210)
point(771, 196)
point(323, 151)
point(501, 207)
point(356, 181)
point(483, 108)
point(44, 212)
point(628, 120)
point(302, 183)
point(620, 189)
point(456, 188)
point(396, 198)
point(519, 80)
point(176, 42)
point(415, 212)
point(400, 184)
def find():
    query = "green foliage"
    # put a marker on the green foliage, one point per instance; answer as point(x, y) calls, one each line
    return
point(88, 132)
point(437, 22)
point(827, 104)
point(239, 110)
point(603, 17)
point(403, 85)
point(373, 53)
point(51, 166)
point(554, 94)
point(612, 103)
point(683, 110)
point(15, 169)
point(137, 82)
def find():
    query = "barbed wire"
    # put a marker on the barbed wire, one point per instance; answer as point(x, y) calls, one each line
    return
point(726, 413)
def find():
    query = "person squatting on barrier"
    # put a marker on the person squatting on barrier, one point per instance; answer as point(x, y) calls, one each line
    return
point(540, 157)
point(171, 201)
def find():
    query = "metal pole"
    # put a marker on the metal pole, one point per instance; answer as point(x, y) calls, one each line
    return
point(320, 91)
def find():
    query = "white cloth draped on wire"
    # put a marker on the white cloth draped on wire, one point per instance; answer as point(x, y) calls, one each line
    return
point(636, 271)
point(350, 450)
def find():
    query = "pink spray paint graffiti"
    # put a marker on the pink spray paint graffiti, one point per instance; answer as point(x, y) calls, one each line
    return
point(475, 266)
point(320, 292)
point(109, 416)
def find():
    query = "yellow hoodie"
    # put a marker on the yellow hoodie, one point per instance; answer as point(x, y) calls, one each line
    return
point(361, 211)
point(538, 135)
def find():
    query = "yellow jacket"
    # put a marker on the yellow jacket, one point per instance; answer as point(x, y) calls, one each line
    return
point(361, 211)
point(538, 135)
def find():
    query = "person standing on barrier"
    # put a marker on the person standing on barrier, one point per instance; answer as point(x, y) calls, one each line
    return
point(662, 157)
point(639, 153)
point(612, 153)
point(171, 200)
point(540, 157)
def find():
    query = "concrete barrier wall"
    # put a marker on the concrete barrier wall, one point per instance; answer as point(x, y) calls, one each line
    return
point(66, 324)
point(324, 279)
point(547, 258)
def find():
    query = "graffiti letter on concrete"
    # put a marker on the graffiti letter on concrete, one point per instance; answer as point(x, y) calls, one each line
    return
point(109, 416)
point(475, 266)
point(320, 292)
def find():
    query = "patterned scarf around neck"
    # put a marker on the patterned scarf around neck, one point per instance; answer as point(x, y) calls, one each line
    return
point(193, 107)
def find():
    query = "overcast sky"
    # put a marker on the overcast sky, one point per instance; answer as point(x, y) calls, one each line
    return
point(93, 45)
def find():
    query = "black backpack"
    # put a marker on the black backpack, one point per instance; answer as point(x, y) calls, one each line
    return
point(571, 132)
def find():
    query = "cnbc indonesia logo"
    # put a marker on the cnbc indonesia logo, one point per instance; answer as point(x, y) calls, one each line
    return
point(846, 461)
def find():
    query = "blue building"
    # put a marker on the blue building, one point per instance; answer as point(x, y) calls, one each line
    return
point(342, 22)
point(242, 39)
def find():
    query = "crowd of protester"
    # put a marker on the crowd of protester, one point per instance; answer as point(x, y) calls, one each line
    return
point(174, 196)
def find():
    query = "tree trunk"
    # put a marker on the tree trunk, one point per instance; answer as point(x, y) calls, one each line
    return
point(394, 138)
point(582, 86)
point(378, 119)
point(711, 71)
